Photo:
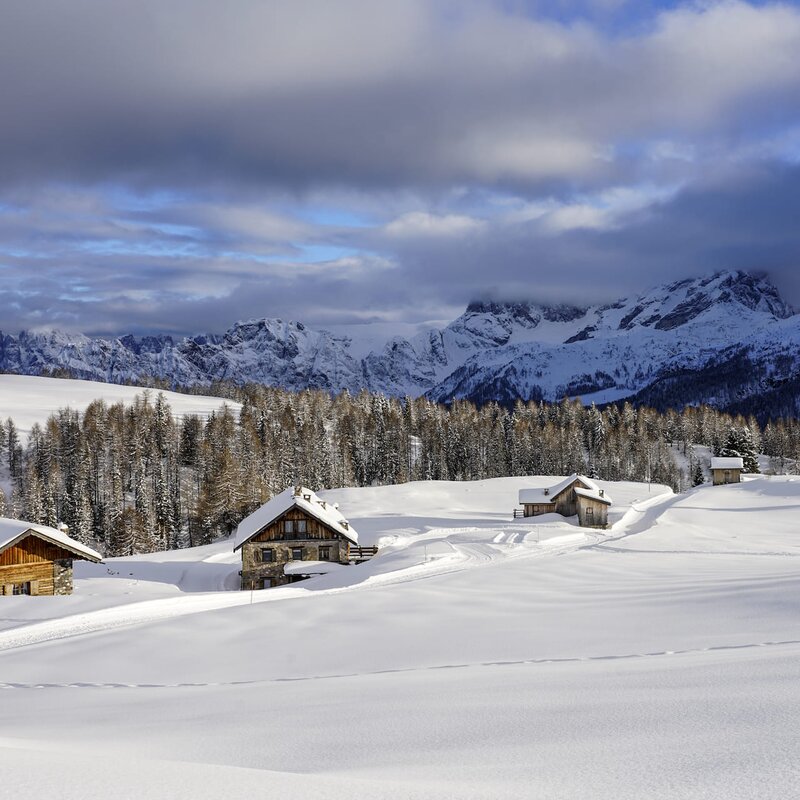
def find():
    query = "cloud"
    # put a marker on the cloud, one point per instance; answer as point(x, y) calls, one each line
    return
point(416, 94)
point(177, 166)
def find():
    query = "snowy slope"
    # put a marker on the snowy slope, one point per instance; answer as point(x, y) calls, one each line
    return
point(28, 400)
point(658, 660)
point(494, 351)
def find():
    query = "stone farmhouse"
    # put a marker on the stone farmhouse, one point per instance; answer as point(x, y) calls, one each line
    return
point(576, 494)
point(294, 526)
point(726, 470)
point(37, 559)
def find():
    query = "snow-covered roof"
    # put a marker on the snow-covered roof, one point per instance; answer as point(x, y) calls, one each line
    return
point(12, 530)
point(729, 462)
point(548, 494)
point(594, 494)
point(305, 499)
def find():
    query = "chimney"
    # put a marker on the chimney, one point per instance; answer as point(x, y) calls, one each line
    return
point(602, 492)
point(546, 492)
point(345, 524)
point(322, 503)
point(298, 490)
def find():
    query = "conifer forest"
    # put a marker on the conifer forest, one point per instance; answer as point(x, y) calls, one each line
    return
point(134, 479)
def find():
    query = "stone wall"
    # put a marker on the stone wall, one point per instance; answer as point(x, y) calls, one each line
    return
point(254, 569)
point(62, 577)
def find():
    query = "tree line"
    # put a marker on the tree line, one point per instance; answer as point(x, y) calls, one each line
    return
point(136, 478)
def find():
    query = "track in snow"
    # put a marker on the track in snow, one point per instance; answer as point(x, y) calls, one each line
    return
point(464, 552)
point(722, 648)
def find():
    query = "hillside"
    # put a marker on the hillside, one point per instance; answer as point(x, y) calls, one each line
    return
point(657, 659)
point(29, 400)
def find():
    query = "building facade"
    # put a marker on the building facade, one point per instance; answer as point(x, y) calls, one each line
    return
point(37, 559)
point(726, 470)
point(294, 526)
point(575, 494)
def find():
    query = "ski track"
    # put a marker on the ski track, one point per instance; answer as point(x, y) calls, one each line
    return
point(464, 555)
point(509, 542)
point(722, 648)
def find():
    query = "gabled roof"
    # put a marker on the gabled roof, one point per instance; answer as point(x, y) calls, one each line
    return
point(528, 496)
point(729, 462)
point(13, 530)
point(299, 497)
point(594, 494)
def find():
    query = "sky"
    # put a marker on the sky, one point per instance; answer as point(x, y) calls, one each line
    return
point(175, 167)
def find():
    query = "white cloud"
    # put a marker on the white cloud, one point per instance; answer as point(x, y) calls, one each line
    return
point(422, 224)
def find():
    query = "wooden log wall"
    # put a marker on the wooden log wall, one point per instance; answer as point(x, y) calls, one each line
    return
point(39, 574)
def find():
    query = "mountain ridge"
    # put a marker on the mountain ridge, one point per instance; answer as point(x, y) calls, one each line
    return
point(501, 351)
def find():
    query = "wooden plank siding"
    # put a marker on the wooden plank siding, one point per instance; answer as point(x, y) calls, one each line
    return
point(39, 575)
point(33, 550)
point(719, 477)
point(535, 509)
point(46, 566)
point(592, 513)
point(314, 529)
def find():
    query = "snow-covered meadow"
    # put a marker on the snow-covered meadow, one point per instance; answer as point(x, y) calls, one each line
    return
point(476, 656)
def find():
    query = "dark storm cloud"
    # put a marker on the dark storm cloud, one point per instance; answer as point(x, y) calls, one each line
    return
point(421, 266)
point(194, 93)
point(746, 219)
point(177, 166)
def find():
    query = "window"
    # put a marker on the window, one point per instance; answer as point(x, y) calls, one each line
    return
point(325, 554)
point(297, 554)
point(294, 528)
point(589, 512)
point(21, 588)
point(266, 583)
point(267, 554)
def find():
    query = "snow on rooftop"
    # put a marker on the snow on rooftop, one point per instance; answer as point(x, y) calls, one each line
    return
point(594, 494)
point(729, 462)
point(13, 529)
point(548, 494)
point(301, 497)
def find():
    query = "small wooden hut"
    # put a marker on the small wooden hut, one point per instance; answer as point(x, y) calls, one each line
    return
point(576, 494)
point(37, 559)
point(293, 526)
point(726, 469)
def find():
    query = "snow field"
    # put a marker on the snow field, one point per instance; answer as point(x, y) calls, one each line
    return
point(657, 659)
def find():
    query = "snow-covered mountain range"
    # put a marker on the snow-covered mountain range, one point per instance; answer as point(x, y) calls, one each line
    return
point(723, 339)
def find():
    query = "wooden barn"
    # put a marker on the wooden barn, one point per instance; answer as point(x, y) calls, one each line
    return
point(726, 470)
point(294, 526)
point(576, 494)
point(37, 559)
